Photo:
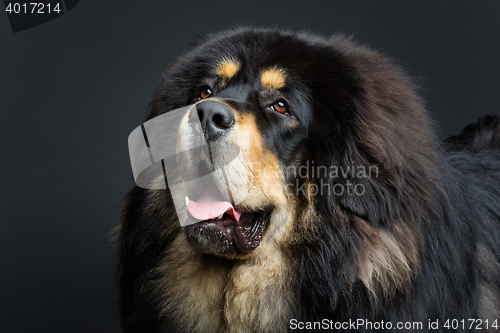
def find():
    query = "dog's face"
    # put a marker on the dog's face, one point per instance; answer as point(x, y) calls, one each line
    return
point(279, 99)
point(285, 101)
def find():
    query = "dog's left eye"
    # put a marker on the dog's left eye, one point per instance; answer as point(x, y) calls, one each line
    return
point(281, 107)
point(205, 92)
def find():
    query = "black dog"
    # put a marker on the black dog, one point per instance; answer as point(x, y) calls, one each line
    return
point(357, 219)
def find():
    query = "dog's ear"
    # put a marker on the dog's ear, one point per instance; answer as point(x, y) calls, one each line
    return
point(368, 191)
point(365, 170)
point(385, 154)
point(386, 130)
point(389, 162)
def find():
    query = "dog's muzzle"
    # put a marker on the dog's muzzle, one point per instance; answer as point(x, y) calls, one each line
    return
point(165, 152)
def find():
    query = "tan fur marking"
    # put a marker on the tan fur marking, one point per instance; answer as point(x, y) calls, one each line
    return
point(487, 263)
point(265, 180)
point(273, 79)
point(489, 294)
point(385, 263)
point(227, 69)
point(249, 306)
point(488, 304)
point(192, 285)
point(306, 226)
point(265, 172)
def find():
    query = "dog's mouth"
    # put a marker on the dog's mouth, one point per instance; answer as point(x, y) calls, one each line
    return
point(224, 229)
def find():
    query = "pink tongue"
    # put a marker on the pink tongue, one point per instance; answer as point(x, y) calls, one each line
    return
point(208, 207)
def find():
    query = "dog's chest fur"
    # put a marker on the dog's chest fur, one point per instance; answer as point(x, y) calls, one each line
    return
point(217, 295)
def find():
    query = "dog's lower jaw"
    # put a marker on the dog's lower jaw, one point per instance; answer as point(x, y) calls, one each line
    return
point(229, 238)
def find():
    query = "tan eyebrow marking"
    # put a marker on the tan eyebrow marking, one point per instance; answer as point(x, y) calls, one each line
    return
point(227, 69)
point(273, 79)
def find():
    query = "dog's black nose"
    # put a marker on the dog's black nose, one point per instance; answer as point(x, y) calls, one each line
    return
point(216, 118)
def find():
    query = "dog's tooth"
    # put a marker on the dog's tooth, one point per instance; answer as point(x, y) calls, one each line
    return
point(220, 216)
point(187, 201)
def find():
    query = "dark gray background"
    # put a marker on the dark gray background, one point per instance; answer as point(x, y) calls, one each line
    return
point(72, 90)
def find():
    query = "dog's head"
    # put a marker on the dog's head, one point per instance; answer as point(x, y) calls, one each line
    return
point(323, 129)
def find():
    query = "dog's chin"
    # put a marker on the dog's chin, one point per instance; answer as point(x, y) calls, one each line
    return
point(227, 237)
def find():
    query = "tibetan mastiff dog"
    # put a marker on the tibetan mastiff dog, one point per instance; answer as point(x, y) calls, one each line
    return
point(356, 219)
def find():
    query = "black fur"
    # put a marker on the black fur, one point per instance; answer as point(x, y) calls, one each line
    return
point(355, 108)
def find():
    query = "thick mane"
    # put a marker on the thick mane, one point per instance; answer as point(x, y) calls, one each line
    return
point(368, 249)
point(386, 224)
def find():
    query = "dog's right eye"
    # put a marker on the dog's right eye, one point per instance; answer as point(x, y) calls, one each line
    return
point(205, 92)
point(281, 107)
